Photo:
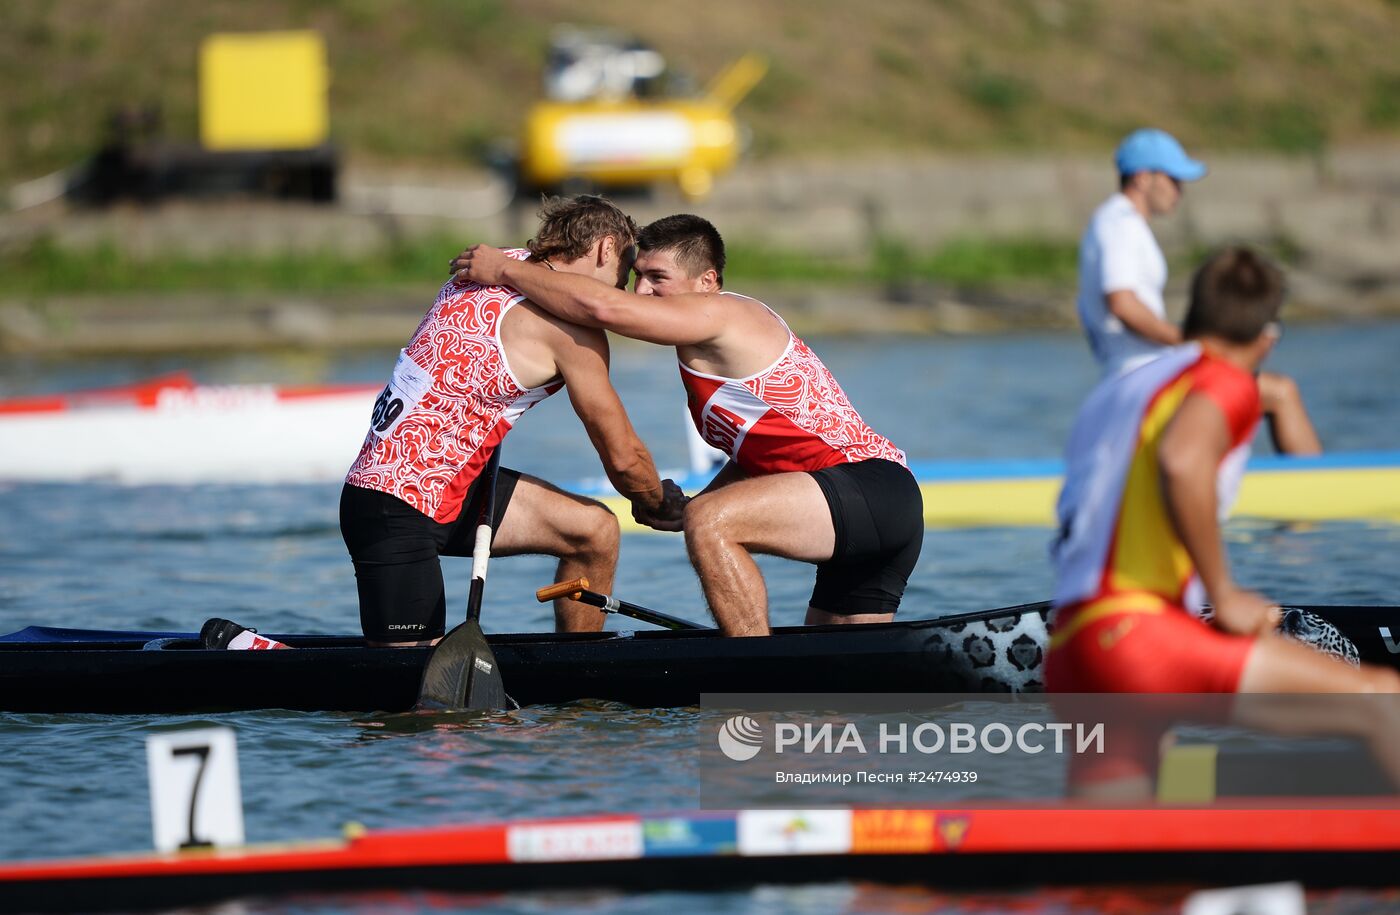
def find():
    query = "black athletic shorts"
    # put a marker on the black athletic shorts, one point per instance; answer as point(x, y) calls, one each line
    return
point(878, 512)
point(395, 548)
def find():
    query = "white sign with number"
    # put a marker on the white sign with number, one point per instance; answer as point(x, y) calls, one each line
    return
point(195, 796)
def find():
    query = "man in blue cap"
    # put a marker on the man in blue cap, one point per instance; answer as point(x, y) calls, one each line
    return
point(1122, 274)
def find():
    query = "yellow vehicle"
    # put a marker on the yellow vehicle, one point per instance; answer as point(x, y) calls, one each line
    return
point(599, 131)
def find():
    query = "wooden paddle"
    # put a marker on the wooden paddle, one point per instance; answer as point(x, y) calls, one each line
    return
point(578, 590)
point(462, 672)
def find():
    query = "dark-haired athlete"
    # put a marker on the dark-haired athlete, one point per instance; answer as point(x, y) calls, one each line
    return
point(481, 357)
point(1154, 456)
point(807, 479)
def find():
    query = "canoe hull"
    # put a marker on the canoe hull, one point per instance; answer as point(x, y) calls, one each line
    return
point(645, 669)
point(1001, 651)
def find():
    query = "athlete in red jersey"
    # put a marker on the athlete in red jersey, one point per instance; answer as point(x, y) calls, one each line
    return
point(807, 478)
point(1153, 456)
point(480, 358)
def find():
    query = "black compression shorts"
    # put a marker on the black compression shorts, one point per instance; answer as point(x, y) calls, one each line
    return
point(395, 548)
point(878, 512)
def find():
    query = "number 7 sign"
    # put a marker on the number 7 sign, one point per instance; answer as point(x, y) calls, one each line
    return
point(195, 797)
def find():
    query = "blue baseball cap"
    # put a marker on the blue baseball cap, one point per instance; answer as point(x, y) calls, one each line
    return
point(1152, 150)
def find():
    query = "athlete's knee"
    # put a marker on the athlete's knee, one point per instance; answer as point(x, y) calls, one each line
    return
point(1381, 680)
point(580, 529)
point(593, 532)
point(704, 520)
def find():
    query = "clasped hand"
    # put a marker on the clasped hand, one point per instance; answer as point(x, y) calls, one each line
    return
point(669, 515)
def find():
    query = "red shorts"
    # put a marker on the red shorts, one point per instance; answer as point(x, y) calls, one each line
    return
point(1140, 644)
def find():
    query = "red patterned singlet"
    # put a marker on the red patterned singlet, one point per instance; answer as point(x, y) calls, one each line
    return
point(792, 416)
point(450, 401)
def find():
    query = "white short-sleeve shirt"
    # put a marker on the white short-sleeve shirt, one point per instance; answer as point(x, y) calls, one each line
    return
point(1118, 251)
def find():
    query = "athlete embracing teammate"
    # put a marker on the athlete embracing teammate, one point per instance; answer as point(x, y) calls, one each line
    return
point(479, 359)
point(807, 479)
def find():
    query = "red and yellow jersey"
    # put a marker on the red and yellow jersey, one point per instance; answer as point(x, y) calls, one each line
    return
point(1116, 537)
point(450, 401)
point(792, 416)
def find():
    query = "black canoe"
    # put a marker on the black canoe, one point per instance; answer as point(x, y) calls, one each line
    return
point(65, 670)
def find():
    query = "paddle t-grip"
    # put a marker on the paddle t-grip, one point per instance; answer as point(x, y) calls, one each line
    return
point(571, 589)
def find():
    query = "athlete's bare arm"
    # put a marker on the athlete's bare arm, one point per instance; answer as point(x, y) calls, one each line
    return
point(1124, 305)
point(1289, 424)
point(692, 319)
point(580, 355)
point(1189, 456)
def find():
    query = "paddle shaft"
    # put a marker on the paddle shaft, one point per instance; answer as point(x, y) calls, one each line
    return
point(481, 550)
point(462, 672)
point(578, 590)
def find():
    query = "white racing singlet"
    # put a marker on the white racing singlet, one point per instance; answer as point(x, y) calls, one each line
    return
point(792, 416)
point(1119, 252)
point(450, 401)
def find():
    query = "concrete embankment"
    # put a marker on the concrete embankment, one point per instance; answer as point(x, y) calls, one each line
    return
point(1338, 217)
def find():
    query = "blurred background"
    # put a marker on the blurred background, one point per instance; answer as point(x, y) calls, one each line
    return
point(296, 174)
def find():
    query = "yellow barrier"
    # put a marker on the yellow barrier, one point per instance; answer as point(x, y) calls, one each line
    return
point(263, 91)
point(1366, 494)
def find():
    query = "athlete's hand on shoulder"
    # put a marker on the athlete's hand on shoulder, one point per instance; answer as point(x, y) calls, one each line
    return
point(1244, 612)
point(480, 264)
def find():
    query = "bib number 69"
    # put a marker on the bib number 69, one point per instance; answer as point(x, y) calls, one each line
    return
point(387, 408)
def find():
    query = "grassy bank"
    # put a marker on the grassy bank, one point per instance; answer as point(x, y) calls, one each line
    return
point(442, 80)
point(44, 269)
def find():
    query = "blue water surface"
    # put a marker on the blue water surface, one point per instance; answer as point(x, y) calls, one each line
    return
point(164, 557)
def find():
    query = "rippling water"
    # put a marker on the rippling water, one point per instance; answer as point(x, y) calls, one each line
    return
point(163, 557)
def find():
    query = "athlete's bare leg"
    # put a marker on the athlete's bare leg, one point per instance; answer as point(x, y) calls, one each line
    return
point(1289, 424)
point(783, 514)
point(583, 533)
point(543, 519)
point(1279, 665)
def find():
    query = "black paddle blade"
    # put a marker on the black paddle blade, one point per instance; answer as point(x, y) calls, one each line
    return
point(462, 673)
